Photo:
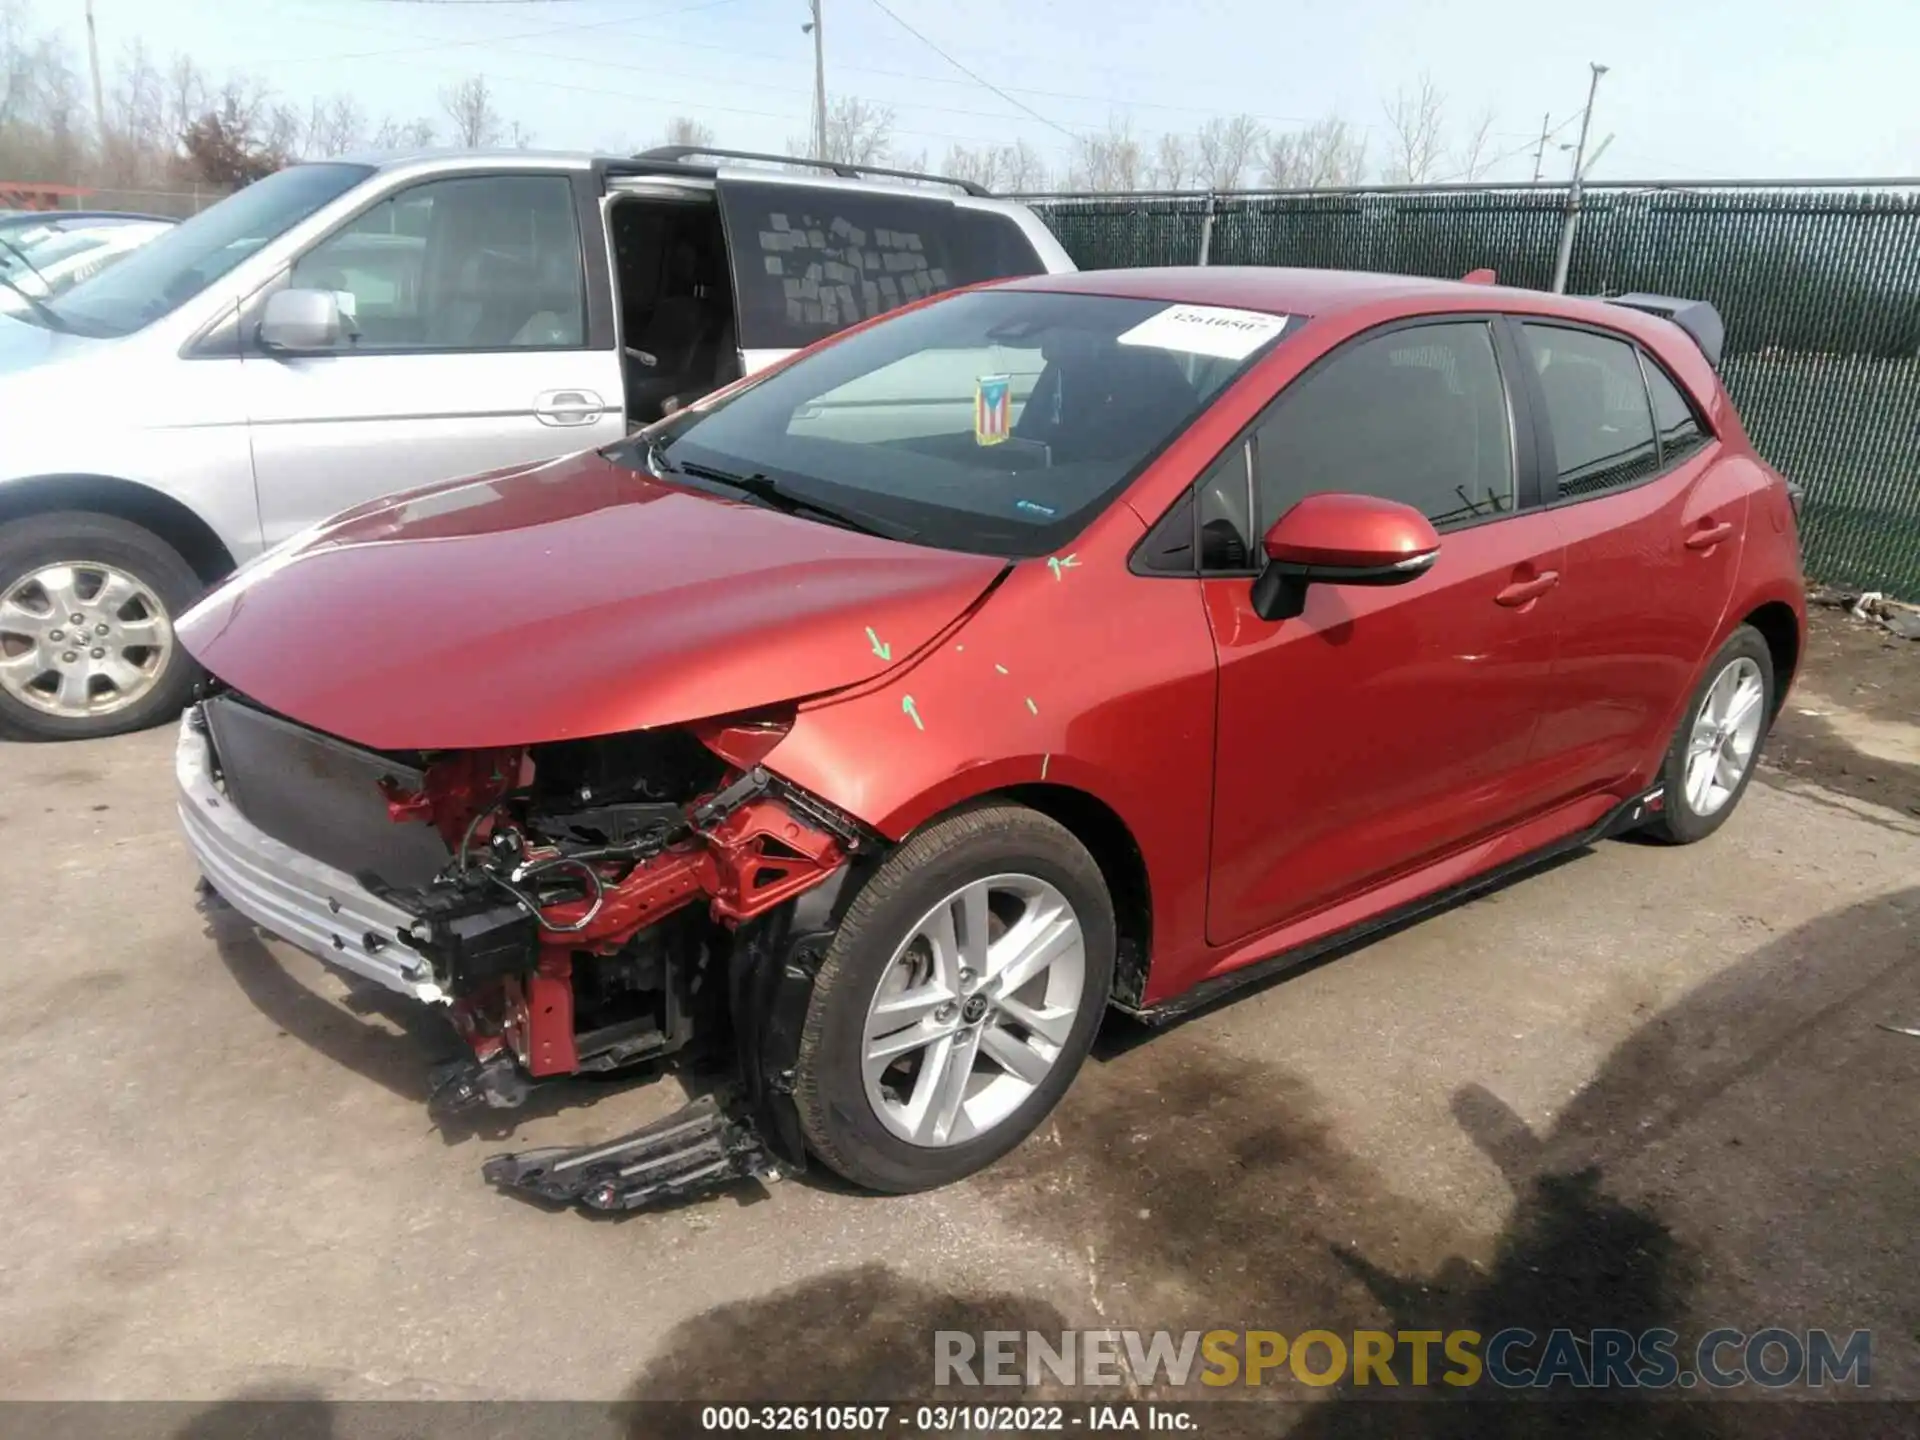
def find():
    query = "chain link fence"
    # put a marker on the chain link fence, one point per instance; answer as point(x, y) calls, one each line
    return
point(1819, 286)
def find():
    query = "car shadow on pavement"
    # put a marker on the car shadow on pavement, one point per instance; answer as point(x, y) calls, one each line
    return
point(1743, 1158)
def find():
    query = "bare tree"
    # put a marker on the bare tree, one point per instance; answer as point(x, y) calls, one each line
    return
point(404, 134)
point(284, 129)
point(42, 133)
point(1173, 162)
point(469, 106)
point(137, 100)
point(858, 133)
point(17, 56)
point(981, 166)
point(685, 130)
point(334, 127)
point(1328, 152)
point(1024, 169)
point(1415, 142)
point(1108, 162)
point(1226, 148)
point(187, 94)
point(1472, 159)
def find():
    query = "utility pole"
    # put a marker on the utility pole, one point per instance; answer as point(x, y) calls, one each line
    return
point(1541, 149)
point(819, 85)
point(1565, 258)
point(99, 97)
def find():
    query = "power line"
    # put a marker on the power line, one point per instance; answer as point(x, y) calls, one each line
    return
point(438, 44)
point(734, 51)
point(688, 106)
point(1501, 159)
point(522, 3)
point(975, 76)
point(620, 65)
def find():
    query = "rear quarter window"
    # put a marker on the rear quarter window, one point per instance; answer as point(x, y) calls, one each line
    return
point(810, 261)
point(1680, 430)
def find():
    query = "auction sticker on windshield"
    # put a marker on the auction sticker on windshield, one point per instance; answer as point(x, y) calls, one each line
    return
point(1214, 330)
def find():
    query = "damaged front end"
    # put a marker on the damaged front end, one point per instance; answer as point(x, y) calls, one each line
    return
point(580, 906)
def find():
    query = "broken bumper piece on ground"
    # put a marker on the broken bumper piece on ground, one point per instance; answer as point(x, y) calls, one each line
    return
point(692, 1152)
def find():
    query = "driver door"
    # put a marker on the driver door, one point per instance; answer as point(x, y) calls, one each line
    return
point(465, 348)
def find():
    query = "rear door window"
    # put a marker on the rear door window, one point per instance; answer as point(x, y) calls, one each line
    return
point(810, 260)
point(1597, 407)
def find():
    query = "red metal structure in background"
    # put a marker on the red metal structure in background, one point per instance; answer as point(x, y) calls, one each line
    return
point(37, 195)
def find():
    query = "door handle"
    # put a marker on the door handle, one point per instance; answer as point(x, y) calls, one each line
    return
point(1524, 592)
point(568, 407)
point(1709, 536)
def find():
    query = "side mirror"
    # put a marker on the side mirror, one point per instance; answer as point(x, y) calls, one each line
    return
point(1341, 540)
point(298, 320)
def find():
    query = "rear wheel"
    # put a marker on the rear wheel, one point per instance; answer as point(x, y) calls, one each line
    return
point(959, 997)
point(87, 606)
point(1712, 757)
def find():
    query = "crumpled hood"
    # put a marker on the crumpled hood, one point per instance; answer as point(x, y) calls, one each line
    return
point(569, 599)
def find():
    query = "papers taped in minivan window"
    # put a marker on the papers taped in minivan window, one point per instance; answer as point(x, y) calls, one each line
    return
point(1215, 330)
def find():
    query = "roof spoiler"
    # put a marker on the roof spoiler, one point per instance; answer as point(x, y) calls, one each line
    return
point(1697, 317)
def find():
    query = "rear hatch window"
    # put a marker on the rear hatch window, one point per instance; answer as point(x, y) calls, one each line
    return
point(812, 260)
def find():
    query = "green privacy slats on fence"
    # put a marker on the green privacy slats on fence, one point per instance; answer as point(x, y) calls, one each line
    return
point(1820, 289)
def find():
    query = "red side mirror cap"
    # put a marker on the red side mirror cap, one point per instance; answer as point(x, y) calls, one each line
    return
point(1353, 539)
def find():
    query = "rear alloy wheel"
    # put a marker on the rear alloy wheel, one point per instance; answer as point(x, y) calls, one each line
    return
point(961, 993)
point(87, 605)
point(1712, 757)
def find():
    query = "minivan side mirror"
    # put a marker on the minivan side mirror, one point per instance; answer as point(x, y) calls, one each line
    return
point(1335, 539)
point(297, 320)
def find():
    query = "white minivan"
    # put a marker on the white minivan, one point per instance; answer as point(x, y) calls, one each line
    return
point(341, 330)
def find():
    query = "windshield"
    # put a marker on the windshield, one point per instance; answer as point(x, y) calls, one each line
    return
point(160, 277)
point(998, 421)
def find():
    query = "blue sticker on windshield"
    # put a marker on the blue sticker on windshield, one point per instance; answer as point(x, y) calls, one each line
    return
point(1034, 507)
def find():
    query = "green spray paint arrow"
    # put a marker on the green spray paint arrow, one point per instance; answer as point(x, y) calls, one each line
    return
point(912, 712)
point(885, 652)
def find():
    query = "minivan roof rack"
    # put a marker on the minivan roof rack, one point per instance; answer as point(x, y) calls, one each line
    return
point(840, 168)
point(1697, 317)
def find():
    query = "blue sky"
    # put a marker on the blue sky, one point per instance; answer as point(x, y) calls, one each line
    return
point(1696, 87)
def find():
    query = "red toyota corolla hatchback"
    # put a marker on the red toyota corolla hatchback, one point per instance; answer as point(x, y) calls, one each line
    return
point(1080, 641)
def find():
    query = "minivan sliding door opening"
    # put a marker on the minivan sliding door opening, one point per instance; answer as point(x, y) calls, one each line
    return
point(671, 280)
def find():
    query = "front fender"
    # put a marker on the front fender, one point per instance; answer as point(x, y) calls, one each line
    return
point(1079, 675)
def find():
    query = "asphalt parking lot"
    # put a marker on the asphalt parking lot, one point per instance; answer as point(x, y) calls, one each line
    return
point(1645, 1086)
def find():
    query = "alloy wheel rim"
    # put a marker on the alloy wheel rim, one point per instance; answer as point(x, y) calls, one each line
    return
point(1725, 733)
point(80, 639)
point(973, 1010)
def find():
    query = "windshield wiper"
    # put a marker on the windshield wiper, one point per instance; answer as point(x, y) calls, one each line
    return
point(21, 255)
point(771, 492)
point(48, 315)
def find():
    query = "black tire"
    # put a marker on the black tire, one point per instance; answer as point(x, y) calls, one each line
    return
point(993, 838)
point(80, 536)
point(1679, 823)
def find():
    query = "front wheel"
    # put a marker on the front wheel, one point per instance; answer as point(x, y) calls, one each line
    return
point(957, 1001)
point(87, 605)
point(1712, 757)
